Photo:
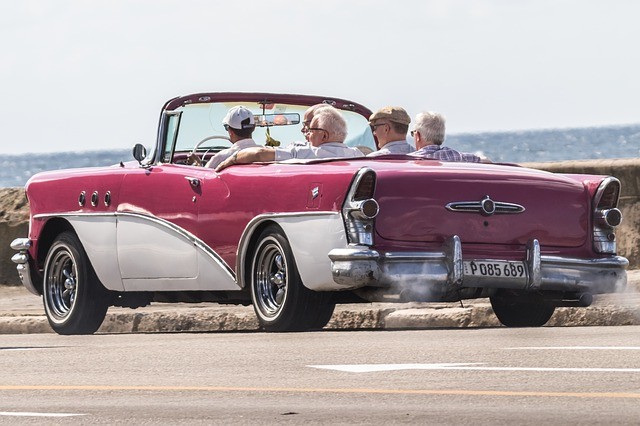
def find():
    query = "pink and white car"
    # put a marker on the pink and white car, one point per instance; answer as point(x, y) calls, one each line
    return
point(296, 238)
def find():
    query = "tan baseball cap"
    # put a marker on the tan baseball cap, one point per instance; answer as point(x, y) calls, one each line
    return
point(391, 113)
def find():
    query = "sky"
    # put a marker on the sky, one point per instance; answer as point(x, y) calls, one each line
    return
point(80, 75)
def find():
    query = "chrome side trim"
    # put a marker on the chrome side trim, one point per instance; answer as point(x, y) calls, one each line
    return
point(197, 242)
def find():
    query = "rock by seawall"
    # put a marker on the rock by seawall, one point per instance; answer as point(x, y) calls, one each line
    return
point(14, 223)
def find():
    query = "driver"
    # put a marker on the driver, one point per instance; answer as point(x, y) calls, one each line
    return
point(240, 124)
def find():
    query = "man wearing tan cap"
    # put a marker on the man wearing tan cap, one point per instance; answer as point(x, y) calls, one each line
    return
point(390, 126)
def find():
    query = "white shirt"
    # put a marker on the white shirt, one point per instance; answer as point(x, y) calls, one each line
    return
point(226, 153)
point(394, 147)
point(326, 150)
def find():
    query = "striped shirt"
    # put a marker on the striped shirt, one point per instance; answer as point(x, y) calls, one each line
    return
point(445, 153)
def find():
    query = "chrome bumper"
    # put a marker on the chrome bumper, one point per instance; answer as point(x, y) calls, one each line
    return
point(21, 258)
point(443, 272)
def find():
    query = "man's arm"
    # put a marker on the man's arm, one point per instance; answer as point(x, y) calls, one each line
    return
point(249, 155)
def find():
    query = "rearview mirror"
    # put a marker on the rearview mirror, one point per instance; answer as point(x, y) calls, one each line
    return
point(268, 120)
point(139, 152)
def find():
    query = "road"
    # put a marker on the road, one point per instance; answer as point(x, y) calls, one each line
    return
point(549, 375)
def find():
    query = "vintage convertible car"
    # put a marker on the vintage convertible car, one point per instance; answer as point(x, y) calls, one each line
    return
point(295, 238)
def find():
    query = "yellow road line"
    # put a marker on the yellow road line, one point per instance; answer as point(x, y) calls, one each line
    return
point(461, 392)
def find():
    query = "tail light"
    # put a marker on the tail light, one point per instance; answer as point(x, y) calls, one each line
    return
point(360, 208)
point(606, 216)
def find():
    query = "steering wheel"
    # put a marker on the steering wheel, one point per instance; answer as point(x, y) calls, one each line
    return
point(208, 138)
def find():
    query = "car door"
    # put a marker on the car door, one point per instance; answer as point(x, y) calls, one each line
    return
point(157, 222)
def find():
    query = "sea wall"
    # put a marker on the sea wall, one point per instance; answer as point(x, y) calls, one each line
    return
point(14, 223)
point(14, 211)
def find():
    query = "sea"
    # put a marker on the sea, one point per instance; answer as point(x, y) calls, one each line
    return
point(505, 147)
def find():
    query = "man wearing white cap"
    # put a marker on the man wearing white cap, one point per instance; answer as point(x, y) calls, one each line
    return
point(240, 124)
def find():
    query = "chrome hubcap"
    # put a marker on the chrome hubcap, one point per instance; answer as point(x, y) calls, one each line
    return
point(61, 284)
point(271, 279)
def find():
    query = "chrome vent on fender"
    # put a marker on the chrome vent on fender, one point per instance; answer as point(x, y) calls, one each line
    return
point(606, 216)
point(360, 208)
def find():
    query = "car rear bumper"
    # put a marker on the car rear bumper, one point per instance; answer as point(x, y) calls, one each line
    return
point(443, 272)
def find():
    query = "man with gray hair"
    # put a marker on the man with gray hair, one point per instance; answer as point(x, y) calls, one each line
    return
point(326, 134)
point(429, 135)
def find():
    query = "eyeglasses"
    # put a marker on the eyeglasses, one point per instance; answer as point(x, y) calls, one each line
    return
point(311, 129)
point(414, 132)
point(373, 126)
point(305, 126)
point(226, 127)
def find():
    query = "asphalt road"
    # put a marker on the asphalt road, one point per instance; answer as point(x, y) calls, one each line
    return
point(548, 375)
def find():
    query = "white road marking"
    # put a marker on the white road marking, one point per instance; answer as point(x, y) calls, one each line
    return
point(19, 349)
point(28, 414)
point(579, 348)
point(369, 368)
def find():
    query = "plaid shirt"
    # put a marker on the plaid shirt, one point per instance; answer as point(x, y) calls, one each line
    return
point(445, 153)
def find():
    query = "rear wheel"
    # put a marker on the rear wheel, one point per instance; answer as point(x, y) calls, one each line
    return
point(280, 299)
point(521, 311)
point(74, 300)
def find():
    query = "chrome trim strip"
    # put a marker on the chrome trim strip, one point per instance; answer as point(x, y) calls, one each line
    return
point(498, 207)
point(197, 242)
point(610, 262)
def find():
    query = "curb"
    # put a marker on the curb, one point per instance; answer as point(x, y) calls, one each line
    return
point(348, 317)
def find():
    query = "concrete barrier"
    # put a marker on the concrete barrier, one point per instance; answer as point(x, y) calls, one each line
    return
point(14, 212)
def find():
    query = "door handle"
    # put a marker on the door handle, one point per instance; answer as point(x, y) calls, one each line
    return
point(195, 182)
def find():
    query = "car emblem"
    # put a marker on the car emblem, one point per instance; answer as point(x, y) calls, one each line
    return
point(486, 207)
point(315, 192)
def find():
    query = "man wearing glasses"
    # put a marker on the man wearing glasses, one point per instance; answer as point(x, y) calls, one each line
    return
point(326, 133)
point(240, 124)
point(390, 126)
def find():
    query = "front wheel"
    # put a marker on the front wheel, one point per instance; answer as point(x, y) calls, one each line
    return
point(280, 299)
point(521, 311)
point(74, 300)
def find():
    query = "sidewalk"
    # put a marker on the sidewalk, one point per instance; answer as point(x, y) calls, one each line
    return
point(22, 312)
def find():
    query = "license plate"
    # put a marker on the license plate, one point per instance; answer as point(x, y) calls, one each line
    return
point(495, 269)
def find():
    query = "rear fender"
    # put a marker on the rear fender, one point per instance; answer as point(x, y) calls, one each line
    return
point(311, 236)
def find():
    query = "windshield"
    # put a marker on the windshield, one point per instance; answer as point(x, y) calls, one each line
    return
point(282, 121)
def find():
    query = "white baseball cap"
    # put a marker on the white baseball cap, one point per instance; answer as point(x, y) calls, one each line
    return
point(237, 115)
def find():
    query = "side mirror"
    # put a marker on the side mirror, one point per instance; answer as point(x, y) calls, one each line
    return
point(139, 152)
